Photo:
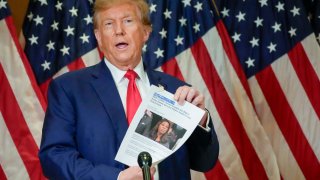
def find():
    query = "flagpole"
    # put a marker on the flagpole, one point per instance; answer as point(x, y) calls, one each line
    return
point(215, 7)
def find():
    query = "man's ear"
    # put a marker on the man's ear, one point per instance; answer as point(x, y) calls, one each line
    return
point(147, 31)
point(98, 36)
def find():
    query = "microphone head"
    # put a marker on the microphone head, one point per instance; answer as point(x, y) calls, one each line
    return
point(144, 159)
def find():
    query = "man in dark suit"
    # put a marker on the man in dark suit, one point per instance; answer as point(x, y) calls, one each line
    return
point(86, 119)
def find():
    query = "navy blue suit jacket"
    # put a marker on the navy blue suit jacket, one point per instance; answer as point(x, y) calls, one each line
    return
point(85, 123)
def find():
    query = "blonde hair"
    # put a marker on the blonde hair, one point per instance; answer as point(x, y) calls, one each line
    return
point(142, 5)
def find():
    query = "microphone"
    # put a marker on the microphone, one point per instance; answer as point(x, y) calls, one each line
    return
point(145, 161)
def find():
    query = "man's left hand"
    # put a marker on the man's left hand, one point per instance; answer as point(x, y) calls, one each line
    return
point(186, 93)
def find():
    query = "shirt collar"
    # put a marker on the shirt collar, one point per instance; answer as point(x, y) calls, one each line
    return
point(118, 74)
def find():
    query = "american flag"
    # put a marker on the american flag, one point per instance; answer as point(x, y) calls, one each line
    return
point(190, 42)
point(59, 38)
point(21, 107)
point(279, 54)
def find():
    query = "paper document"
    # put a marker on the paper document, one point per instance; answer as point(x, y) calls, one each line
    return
point(159, 127)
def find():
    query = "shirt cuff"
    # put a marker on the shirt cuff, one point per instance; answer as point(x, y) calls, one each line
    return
point(206, 128)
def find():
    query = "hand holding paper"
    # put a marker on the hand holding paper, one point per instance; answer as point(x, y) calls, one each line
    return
point(187, 93)
point(169, 126)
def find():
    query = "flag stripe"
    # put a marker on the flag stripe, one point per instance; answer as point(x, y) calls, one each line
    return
point(288, 166)
point(287, 122)
point(231, 54)
point(231, 119)
point(171, 67)
point(44, 88)
point(307, 76)
point(10, 159)
point(76, 64)
point(2, 175)
point(192, 75)
point(22, 108)
point(21, 81)
point(295, 95)
point(197, 175)
point(244, 107)
point(312, 52)
point(12, 34)
point(62, 71)
point(92, 57)
point(21, 135)
point(217, 173)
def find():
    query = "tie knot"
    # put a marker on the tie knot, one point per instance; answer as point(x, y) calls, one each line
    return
point(131, 75)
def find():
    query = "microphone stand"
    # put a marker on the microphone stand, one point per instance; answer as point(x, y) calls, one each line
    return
point(145, 161)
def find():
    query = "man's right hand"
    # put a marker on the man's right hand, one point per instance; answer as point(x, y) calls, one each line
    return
point(134, 173)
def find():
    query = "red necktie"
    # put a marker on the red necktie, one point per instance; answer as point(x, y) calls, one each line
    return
point(133, 95)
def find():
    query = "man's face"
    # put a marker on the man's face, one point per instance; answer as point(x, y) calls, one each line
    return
point(121, 35)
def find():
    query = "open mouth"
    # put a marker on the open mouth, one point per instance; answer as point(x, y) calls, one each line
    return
point(121, 45)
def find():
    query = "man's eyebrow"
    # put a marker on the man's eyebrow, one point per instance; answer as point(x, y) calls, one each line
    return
point(110, 18)
point(128, 15)
point(107, 19)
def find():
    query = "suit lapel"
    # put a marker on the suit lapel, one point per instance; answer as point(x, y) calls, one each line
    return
point(106, 89)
